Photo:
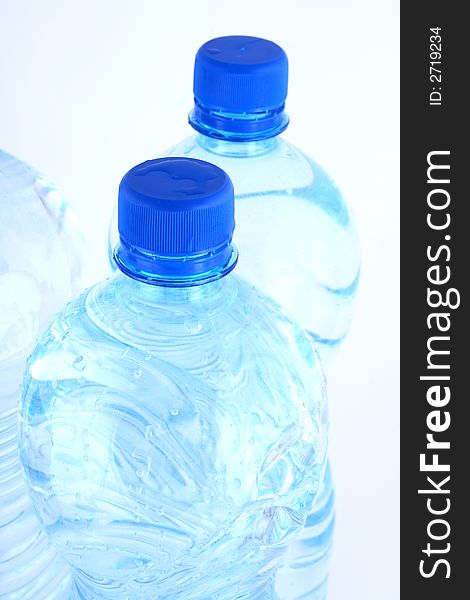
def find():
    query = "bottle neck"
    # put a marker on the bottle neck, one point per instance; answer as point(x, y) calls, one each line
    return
point(238, 127)
point(246, 149)
point(176, 271)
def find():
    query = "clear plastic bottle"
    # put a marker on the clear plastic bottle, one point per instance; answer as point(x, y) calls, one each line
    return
point(286, 204)
point(174, 419)
point(40, 270)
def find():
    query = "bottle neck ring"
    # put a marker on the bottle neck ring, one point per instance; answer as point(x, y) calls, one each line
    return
point(242, 127)
point(176, 271)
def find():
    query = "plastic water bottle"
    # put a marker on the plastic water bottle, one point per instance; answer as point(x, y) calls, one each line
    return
point(286, 204)
point(287, 207)
point(40, 270)
point(174, 419)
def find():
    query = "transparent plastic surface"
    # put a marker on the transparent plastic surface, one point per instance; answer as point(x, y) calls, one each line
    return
point(295, 233)
point(303, 574)
point(174, 439)
point(40, 270)
point(298, 242)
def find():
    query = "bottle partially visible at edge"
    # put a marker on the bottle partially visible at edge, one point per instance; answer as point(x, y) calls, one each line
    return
point(41, 254)
point(174, 419)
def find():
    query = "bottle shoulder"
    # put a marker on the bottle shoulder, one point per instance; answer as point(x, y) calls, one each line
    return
point(30, 201)
point(235, 156)
point(121, 315)
point(281, 170)
point(41, 255)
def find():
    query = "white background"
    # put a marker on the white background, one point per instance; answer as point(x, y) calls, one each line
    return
point(90, 88)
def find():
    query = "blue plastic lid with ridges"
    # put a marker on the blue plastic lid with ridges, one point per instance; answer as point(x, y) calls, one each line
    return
point(240, 73)
point(175, 218)
point(240, 88)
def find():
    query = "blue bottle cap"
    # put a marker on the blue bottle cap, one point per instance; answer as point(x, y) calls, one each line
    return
point(176, 221)
point(240, 87)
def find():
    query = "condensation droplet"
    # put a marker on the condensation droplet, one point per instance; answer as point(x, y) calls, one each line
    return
point(138, 373)
point(148, 432)
point(174, 411)
point(148, 356)
point(193, 327)
point(79, 363)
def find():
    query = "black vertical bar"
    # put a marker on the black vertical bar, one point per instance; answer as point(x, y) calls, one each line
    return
point(435, 252)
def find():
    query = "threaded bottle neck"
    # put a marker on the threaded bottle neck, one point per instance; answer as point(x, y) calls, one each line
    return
point(238, 127)
point(176, 271)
